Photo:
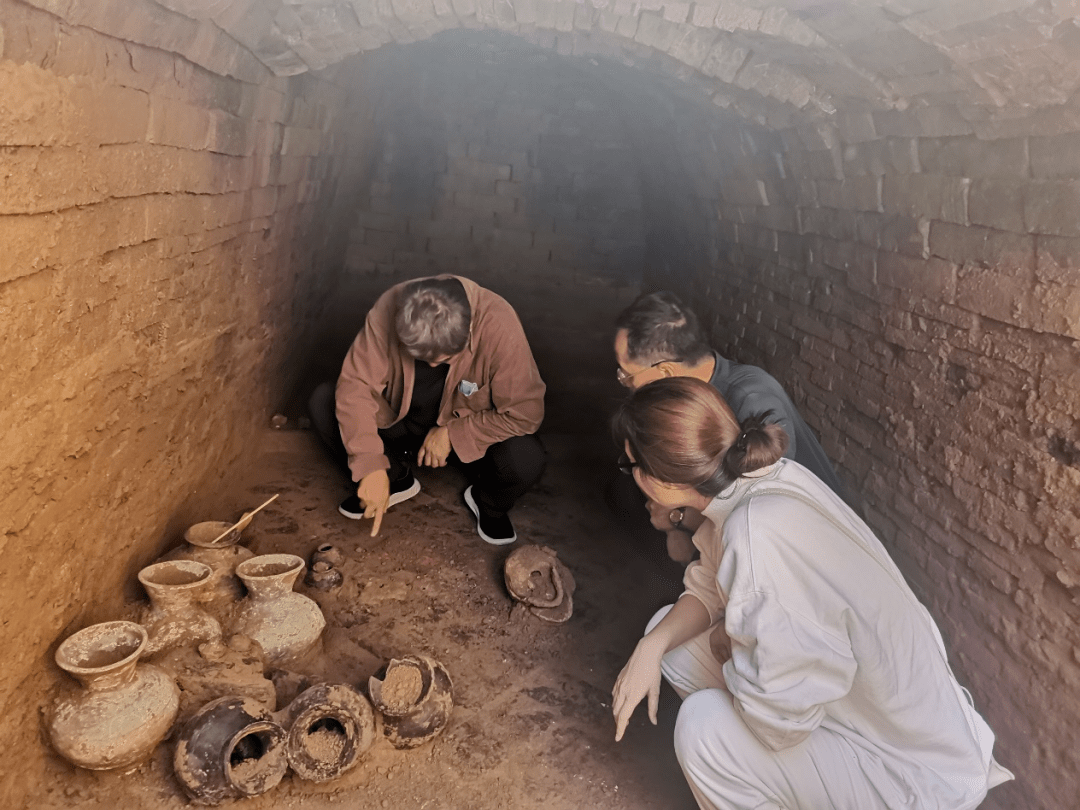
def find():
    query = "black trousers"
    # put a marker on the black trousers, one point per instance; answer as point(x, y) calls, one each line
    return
point(507, 470)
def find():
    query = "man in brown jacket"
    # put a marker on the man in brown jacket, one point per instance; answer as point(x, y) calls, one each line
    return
point(441, 373)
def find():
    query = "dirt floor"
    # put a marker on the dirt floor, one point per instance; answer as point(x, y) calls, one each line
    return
point(532, 725)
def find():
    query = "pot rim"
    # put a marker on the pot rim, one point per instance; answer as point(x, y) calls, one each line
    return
point(203, 571)
point(118, 631)
point(278, 736)
point(219, 526)
point(294, 565)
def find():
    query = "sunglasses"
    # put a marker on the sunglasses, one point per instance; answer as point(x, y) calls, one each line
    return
point(626, 466)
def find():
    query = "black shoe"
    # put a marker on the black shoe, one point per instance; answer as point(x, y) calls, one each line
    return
point(494, 529)
point(400, 490)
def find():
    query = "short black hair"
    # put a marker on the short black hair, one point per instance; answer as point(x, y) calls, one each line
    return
point(661, 327)
point(433, 317)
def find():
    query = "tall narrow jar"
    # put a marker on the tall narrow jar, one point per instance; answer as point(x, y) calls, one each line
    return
point(224, 590)
point(175, 618)
point(286, 624)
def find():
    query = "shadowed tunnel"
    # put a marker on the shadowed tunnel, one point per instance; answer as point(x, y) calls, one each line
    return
point(878, 202)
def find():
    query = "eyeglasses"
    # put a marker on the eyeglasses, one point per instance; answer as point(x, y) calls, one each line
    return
point(626, 466)
point(625, 376)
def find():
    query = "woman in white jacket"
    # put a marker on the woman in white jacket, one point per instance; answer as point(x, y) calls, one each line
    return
point(812, 677)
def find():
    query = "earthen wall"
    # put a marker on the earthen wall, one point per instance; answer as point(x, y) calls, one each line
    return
point(155, 210)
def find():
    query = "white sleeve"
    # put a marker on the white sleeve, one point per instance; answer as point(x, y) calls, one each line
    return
point(700, 577)
point(784, 668)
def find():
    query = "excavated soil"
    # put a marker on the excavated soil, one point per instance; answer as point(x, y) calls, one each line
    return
point(532, 723)
point(401, 689)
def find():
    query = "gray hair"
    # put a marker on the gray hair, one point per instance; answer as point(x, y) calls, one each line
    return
point(433, 318)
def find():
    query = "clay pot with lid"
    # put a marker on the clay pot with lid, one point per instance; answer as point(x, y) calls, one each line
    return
point(415, 698)
point(231, 748)
point(122, 709)
point(175, 617)
point(330, 726)
point(287, 625)
point(224, 588)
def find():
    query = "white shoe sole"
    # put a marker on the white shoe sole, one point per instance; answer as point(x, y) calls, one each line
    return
point(405, 494)
point(504, 541)
point(396, 498)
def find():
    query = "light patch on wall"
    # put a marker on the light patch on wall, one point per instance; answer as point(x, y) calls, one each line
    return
point(154, 334)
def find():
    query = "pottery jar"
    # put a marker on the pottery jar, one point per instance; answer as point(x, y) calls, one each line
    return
point(415, 698)
point(231, 748)
point(324, 568)
point(287, 625)
point(538, 580)
point(123, 708)
point(329, 727)
point(531, 576)
point(224, 589)
point(175, 618)
point(323, 577)
point(327, 553)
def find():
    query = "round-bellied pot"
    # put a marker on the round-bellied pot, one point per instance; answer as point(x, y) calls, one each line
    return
point(122, 709)
point(415, 698)
point(231, 748)
point(327, 553)
point(538, 580)
point(286, 624)
point(330, 726)
point(224, 588)
point(322, 576)
point(175, 618)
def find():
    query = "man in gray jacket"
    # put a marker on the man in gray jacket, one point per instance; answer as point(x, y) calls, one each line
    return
point(659, 336)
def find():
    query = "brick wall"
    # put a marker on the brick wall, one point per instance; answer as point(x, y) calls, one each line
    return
point(499, 164)
point(153, 214)
point(916, 289)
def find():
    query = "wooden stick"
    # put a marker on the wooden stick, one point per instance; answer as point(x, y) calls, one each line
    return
point(246, 519)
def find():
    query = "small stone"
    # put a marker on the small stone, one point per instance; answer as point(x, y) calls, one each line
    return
point(278, 421)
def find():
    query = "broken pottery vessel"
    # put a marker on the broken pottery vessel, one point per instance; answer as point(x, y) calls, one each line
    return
point(224, 589)
point(537, 579)
point(415, 698)
point(329, 727)
point(231, 748)
point(122, 710)
point(287, 625)
point(175, 617)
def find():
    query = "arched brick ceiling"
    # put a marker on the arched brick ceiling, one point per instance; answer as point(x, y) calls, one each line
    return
point(958, 62)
